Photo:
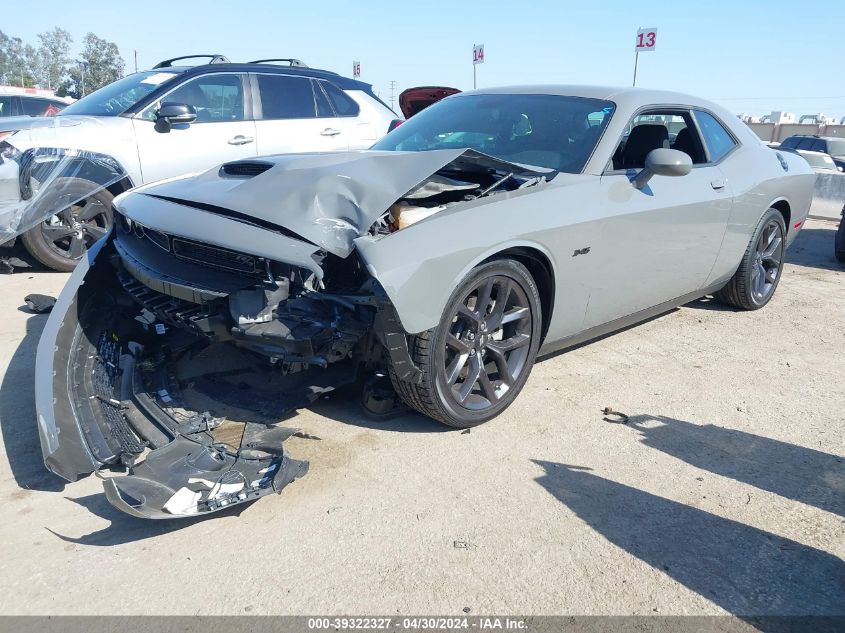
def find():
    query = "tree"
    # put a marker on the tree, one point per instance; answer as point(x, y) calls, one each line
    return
point(53, 56)
point(99, 65)
point(31, 64)
point(15, 61)
point(4, 57)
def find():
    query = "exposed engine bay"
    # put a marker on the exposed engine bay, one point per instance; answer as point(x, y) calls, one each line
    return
point(445, 189)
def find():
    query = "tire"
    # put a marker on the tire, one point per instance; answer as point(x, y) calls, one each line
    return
point(500, 343)
point(59, 242)
point(755, 281)
point(839, 244)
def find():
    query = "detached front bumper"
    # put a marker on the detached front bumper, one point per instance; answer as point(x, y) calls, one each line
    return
point(104, 398)
point(65, 450)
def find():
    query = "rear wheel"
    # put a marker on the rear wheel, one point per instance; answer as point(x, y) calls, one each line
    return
point(476, 361)
point(839, 245)
point(61, 240)
point(755, 281)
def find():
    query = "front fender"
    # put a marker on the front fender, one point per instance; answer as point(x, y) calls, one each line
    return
point(420, 266)
point(420, 283)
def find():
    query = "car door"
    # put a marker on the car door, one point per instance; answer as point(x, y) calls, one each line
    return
point(223, 130)
point(294, 115)
point(359, 133)
point(660, 242)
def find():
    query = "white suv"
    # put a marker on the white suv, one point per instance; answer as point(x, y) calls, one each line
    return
point(213, 113)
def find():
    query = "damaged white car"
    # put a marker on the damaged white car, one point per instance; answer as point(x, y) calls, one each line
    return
point(490, 228)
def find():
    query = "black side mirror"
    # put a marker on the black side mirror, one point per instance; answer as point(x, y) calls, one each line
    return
point(663, 162)
point(173, 113)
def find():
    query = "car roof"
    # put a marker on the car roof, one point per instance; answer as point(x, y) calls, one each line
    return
point(39, 97)
point(622, 96)
point(201, 69)
point(821, 138)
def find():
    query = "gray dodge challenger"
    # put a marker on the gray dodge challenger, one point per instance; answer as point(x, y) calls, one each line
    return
point(491, 228)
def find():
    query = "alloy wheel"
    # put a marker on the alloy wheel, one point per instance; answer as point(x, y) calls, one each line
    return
point(767, 262)
point(488, 343)
point(71, 231)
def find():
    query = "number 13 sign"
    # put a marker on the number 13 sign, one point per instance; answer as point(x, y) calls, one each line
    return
point(646, 39)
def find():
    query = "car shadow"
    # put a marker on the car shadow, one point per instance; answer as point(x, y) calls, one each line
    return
point(19, 252)
point(571, 348)
point(813, 248)
point(124, 528)
point(17, 415)
point(746, 571)
point(794, 472)
point(344, 405)
point(711, 304)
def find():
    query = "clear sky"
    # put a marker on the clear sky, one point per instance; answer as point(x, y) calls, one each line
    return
point(750, 55)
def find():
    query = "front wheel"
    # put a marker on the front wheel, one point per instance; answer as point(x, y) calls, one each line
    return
point(61, 240)
point(755, 281)
point(476, 361)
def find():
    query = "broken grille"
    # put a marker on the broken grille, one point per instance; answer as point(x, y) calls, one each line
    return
point(213, 256)
point(171, 310)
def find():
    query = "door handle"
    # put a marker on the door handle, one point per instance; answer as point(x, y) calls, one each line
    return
point(240, 139)
point(718, 183)
point(330, 132)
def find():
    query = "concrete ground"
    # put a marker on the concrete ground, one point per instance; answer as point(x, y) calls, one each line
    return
point(724, 492)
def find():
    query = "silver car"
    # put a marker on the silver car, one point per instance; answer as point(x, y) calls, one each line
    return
point(491, 228)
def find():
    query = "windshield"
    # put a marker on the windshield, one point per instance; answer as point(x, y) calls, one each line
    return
point(817, 159)
point(544, 130)
point(119, 96)
point(836, 148)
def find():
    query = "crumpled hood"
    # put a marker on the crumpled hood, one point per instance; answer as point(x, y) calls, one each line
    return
point(328, 199)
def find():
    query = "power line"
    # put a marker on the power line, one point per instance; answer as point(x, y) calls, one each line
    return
point(392, 93)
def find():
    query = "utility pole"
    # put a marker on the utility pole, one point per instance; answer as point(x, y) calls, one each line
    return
point(392, 93)
point(136, 61)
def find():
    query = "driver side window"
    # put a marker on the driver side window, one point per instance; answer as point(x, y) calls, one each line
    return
point(217, 98)
point(656, 129)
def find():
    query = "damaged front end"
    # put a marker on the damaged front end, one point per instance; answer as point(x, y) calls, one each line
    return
point(176, 357)
point(176, 360)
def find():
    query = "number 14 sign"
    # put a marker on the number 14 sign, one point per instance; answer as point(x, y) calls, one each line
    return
point(646, 39)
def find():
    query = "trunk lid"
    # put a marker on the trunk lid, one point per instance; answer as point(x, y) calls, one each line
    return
point(415, 100)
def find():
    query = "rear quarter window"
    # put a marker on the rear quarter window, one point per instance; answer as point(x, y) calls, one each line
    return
point(343, 104)
point(719, 142)
point(34, 107)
